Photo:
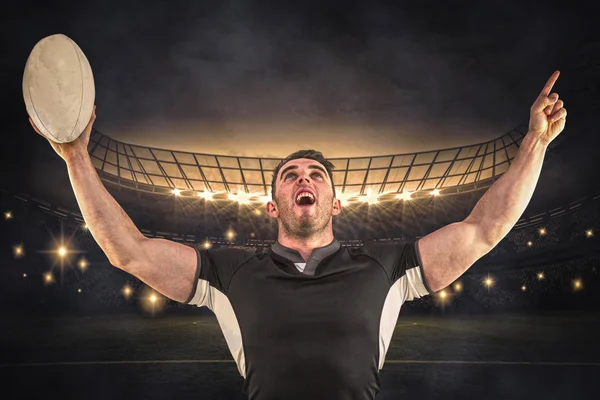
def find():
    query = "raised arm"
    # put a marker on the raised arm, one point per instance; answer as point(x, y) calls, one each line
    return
point(166, 266)
point(448, 252)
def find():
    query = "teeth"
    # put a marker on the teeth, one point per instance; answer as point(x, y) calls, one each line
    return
point(305, 194)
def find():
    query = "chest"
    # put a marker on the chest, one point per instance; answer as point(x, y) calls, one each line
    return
point(344, 301)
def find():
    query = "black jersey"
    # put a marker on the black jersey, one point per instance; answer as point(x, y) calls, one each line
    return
point(314, 330)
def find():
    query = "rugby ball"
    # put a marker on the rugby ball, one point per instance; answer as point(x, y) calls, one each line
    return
point(58, 88)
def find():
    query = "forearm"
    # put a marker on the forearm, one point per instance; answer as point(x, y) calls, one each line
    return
point(505, 201)
point(110, 226)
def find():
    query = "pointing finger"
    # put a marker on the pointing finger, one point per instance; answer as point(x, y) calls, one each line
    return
point(550, 83)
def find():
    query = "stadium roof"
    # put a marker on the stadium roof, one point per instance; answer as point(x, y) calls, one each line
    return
point(452, 170)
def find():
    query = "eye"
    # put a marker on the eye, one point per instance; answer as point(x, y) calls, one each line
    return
point(317, 174)
point(290, 174)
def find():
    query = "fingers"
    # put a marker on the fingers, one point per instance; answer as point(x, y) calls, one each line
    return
point(557, 106)
point(88, 129)
point(561, 113)
point(551, 109)
point(544, 104)
point(550, 83)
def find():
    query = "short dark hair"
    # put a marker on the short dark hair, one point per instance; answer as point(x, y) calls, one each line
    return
point(311, 155)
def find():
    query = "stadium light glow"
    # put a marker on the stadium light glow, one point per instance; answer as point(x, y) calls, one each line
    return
point(488, 281)
point(589, 233)
point(530, 243)
point(523, 288)
point(79, 290)
point(577, 284)
point(435, 192)
point(152, 301)
point(206, 195)
point(443, 299)
point(370, 198)
point(62, 251)
point(542, 231)
point(8, 215)
point(540, 276)
point(240, 197)
point(24, 275)
point(176, 192)
point(264, 199)
point(257, 212)
point(405, 196)
point(230, 234)
point(343, 198)
point(84, 227)
point(457, 287)
point(207, 244)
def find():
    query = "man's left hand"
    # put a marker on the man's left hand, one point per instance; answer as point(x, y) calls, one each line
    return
point(548, 116)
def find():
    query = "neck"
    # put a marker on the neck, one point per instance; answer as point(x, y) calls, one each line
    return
point(305, 245)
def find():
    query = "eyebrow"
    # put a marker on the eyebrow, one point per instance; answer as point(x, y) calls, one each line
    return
point(296, 167)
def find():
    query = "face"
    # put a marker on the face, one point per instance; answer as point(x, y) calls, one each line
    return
point(308, 214)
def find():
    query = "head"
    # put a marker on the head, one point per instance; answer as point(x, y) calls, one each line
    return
point(303, 171)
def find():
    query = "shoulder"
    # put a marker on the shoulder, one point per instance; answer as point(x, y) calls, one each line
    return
point(233, 256)
point(384, 253)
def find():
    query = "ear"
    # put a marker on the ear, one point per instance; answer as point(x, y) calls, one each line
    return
point(272, 209)
point(337, 207)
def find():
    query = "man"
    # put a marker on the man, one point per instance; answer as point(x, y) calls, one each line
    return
point(308, 319)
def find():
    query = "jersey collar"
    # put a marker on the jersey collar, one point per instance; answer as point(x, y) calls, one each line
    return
point(316, 256)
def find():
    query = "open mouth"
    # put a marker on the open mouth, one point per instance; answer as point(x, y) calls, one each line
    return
point(305, 199)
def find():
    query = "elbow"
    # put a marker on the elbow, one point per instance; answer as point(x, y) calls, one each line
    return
point(487, 236)
point(123, 266)
point(495, 236)
point(130, 258)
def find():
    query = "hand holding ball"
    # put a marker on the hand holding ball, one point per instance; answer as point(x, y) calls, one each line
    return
point(74, 148)
point(59, 93)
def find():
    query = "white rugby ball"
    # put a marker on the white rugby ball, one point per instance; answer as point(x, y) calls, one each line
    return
point(58, 88)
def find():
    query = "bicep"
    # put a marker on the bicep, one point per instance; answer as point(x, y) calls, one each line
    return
point(448, 252)
point(168, 267)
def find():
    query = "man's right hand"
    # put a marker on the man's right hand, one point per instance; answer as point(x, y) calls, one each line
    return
point(75, 148)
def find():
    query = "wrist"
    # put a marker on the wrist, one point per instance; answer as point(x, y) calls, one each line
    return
point(76, 158)
point(534, 142)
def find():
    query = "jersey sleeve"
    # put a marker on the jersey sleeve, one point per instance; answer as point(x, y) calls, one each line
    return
point(402, 262)
point(214, 271)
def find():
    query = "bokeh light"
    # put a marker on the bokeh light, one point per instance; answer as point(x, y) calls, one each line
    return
point(83, 264)
point(127, 291)
point(48, 278)
point(19, 251)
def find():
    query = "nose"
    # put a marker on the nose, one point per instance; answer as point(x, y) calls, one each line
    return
point(302, 179)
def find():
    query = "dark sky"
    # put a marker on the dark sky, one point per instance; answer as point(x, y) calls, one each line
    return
point(266, 79)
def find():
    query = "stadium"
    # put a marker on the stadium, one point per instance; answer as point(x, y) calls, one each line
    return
point(539, 284)
point(522, 322)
